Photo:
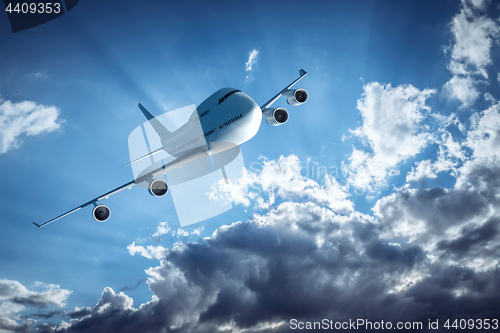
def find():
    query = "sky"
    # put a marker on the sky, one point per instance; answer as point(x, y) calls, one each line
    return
point(378, 199)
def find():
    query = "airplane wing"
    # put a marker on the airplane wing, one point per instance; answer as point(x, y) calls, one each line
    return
point(302, 73)
point(93, 201)
point(194, 155)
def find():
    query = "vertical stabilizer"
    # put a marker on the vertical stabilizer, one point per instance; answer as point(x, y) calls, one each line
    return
point(161, 130)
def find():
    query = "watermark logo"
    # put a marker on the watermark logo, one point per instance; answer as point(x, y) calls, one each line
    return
point(188, 159)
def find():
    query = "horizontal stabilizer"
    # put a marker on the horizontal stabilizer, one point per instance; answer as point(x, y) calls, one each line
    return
point(145, 156)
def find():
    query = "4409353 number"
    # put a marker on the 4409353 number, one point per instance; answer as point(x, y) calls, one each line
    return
point(32, 8)
point(472, 324)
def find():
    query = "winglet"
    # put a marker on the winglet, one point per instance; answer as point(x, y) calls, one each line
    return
point(278, 95)
point(39, 226)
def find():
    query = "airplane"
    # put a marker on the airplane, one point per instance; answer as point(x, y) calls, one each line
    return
point(228, 118)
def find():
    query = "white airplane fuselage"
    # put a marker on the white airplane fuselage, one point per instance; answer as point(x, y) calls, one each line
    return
point(227, 118)
point(229, 115)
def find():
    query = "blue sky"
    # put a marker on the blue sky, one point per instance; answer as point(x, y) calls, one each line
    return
point(403, 113)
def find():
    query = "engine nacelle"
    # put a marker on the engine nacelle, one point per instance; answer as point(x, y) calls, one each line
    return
point(158, 188)
point(295, 96)
point(101, 213)
point(275, 117)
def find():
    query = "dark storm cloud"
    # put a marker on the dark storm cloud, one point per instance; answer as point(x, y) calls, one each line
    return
point(438, 207)
point(47, 315)
point(80, 312)
point(252, 273)
point(390, 253)
point(31, 300)
point(456, 291)
point(472, 238)
point(437, 211)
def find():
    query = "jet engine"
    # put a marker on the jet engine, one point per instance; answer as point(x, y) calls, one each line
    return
point(158, 188)
point(295, 96)
point(275, 117)
point(101, 213)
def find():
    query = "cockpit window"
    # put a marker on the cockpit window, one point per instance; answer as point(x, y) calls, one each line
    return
point(222, 99)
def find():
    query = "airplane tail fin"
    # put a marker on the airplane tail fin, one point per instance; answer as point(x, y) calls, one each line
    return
point(162, 131)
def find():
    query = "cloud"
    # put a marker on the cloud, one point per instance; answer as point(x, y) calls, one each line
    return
point(282, 179)
point(16, 298)
point(422, 170)
point(443, 216)
point(25, 118)
point(458, 226)
point(484, 136)
point(451, 154)
point(252, 59)
point(428, 253)
point(473, 34)
point(392, 127)
point(478, 4)
point(17, 293)
point(462, 88)
point(162, 229)
point(150, 252)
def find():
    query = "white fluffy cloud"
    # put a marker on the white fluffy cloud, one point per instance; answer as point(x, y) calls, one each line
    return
point(150, 252)
point(25, 118)
point(422, 170)
point(392, 127)
point(450, 155)
point(282, 179)
point(462, 88)
point(473, 35)
point(484, 136)
point(252, 59)
point(484, 140)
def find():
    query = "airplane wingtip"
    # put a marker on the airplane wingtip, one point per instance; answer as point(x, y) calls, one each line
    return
point(37, 224)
